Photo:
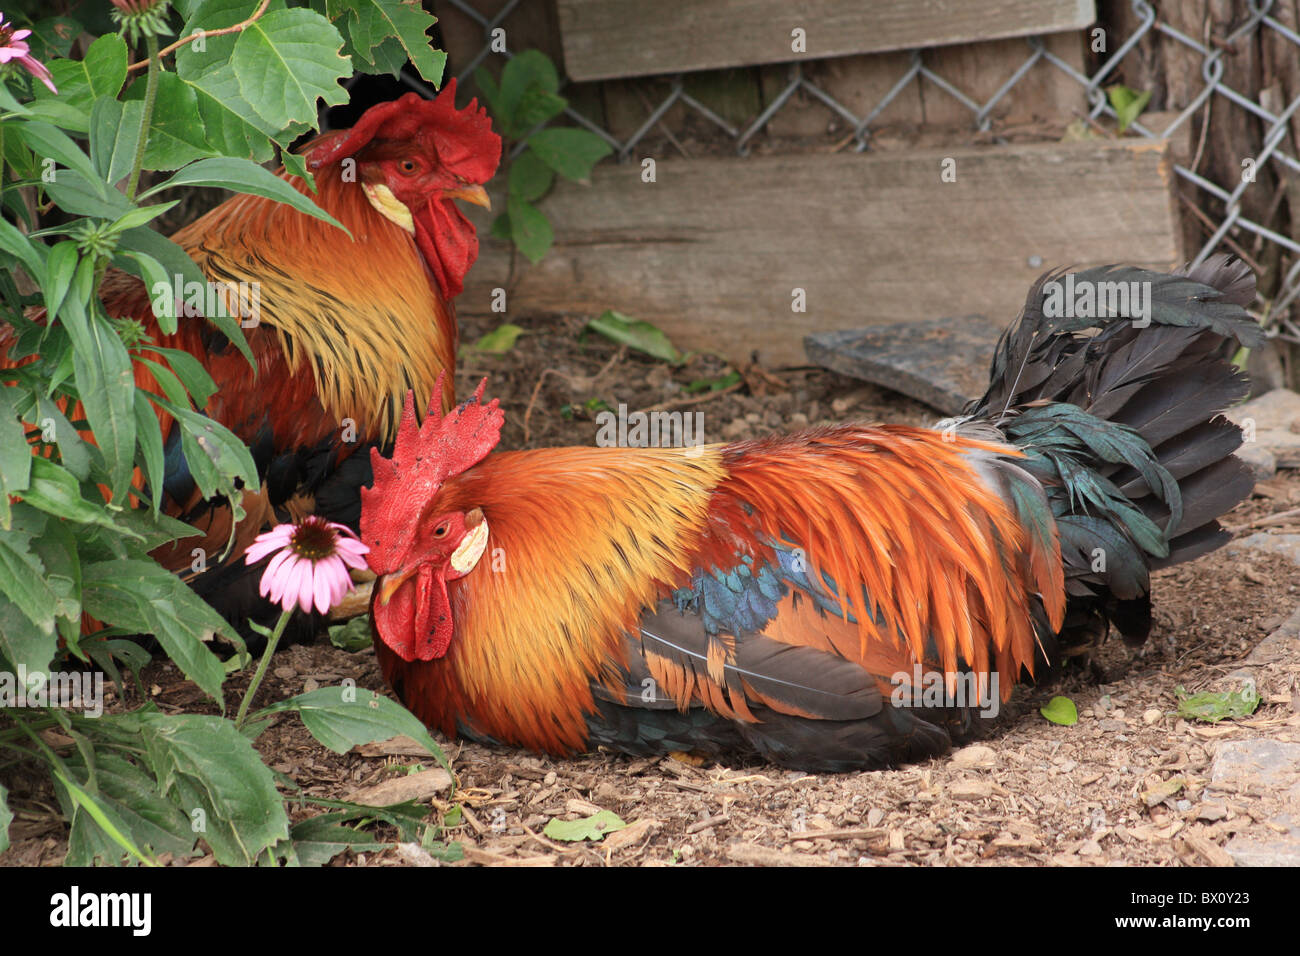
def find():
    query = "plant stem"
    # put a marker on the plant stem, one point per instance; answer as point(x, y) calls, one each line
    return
point(261, 667)
point(150, 94)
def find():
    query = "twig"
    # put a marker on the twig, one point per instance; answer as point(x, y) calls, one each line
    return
point(1275, 518)
point(237, 28)
point(1227, 240)
point(694, 399)
point(532, 399)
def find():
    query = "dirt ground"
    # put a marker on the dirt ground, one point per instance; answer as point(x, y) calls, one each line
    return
point(1032, 792)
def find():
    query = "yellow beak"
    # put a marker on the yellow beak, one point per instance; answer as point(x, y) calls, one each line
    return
point(475, 194)
point(390, 583)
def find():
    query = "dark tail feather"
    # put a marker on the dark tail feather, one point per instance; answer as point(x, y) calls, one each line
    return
point(1121, 423)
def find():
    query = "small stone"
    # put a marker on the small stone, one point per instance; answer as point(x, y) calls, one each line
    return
point(798, 420)
point(1182, 806)
point(1090, 848)
point(1211, 812)
point(1149, 717)
point(970, 790)
point(285, 672)
point(974, 756)
point(309, 685)
point(549, 779)
point(874, 816)
point(1112, 726)
point(1262, 462)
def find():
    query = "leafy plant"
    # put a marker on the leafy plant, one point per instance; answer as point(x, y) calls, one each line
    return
point(79, 517)
point(1128, 104)
point(527, 98)
point(636, 334)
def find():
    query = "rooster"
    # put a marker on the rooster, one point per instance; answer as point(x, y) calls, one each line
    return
point(819, 599)
point(344, 325)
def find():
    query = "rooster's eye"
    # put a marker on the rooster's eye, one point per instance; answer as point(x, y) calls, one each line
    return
point(440, 531)
point(407, 166)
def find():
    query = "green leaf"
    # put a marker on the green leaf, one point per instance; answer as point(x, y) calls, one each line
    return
point(101, 73)
point(155, 276)
point(82, 196)
point(570, 152)
point(1128, 104)
point(287, 60)
point(190, 372)
point(176, 134)
point(140, 215)
point(529, 228)
point(54, 490)
point(593, 827)
point(353, 635)
point(105, 381)
point(635, 334)
point(373, 22)
point(59, 270)
point(1060, 710)
point(529, 70)
point(1212, 707)
point(75, 453)
point(149, 434)
point(149, 820)
point(6, 818)
point(713, 384)
point(245, 176)
point(318, 840)
point(345, 717)
point(114, 137)
point(27, 252)
point(500, 340)
point(537, 106)
point(103, 816)
point(491, 92)
point(54, 36)
point(233, 128)
point(141, 596)
point(203, 763)
point(50, 142)
point(15, 454)
point(23, 581)
point(501, 227)
point(530, 178)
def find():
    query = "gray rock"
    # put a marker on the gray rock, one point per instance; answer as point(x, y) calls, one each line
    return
point(1276, 766)
point(1263, 463)
point(1287, 545)
point(1278, 409)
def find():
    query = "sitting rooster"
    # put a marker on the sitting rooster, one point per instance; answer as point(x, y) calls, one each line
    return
point(788, 597)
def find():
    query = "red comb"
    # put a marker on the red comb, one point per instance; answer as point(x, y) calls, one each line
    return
point(463, 139)
point(425, 456)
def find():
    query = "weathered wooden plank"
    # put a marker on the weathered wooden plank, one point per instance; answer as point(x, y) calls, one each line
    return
point(618, 38)
point(716, 249)
point(942, 362)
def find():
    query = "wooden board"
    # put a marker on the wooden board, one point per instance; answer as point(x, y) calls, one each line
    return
point(618, 38)
point(713, 250)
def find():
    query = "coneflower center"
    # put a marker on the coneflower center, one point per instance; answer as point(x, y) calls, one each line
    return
point(314, 539)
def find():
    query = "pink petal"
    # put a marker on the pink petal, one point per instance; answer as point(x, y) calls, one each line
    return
point(351, 546)
point(284, 588)
point(270, 586)
point(323, 587)
point(279, 534)
point(306, 585)
point(21, 34)
point(260, 549)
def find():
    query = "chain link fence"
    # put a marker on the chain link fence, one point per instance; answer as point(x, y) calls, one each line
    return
point(1220, 204)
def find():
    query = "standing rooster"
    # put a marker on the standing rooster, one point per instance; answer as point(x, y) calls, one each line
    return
point(784, 597)
point(343, 327)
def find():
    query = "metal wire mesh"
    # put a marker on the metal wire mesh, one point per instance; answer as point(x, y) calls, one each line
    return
point(1220, 203)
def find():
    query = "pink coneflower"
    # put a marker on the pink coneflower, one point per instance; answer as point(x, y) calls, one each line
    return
point(312, 564)
point(14, 48)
